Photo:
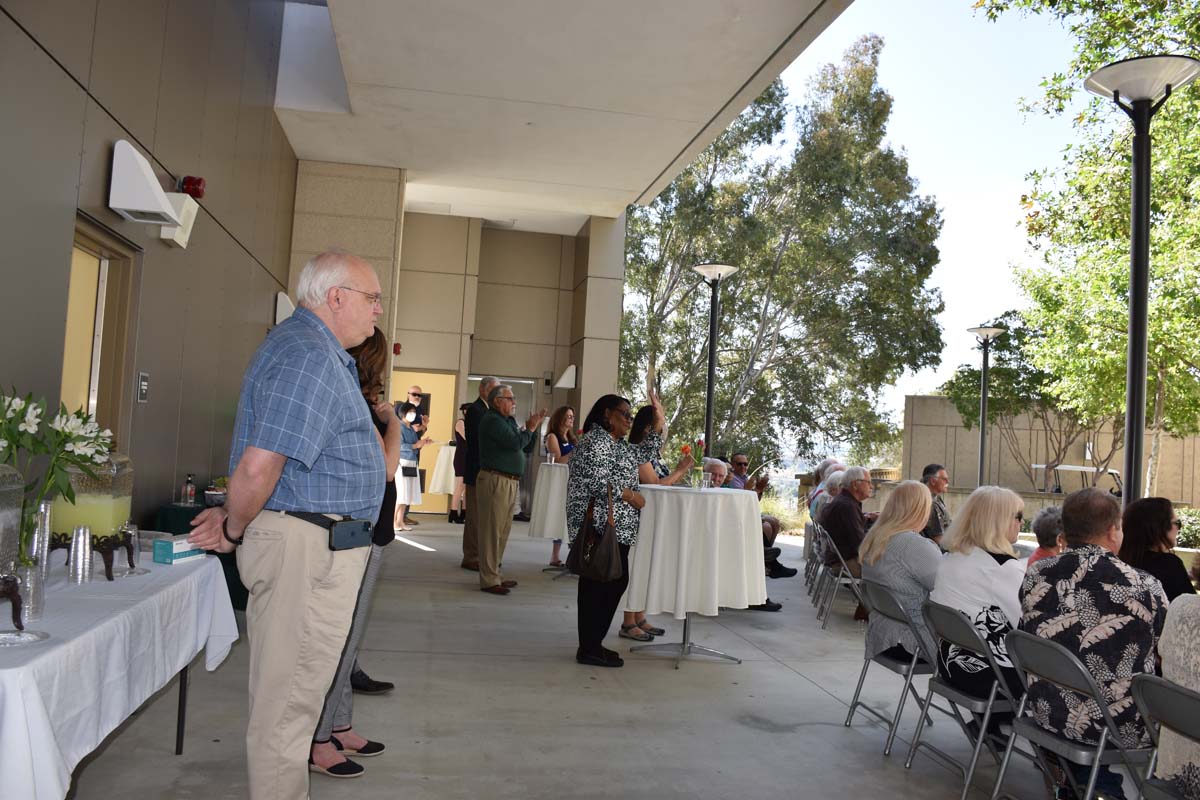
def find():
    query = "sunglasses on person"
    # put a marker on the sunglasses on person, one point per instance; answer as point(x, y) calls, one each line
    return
point(1020, 516)
point(741, 463)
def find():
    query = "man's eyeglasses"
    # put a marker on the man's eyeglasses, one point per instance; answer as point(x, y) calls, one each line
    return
point(374, 298)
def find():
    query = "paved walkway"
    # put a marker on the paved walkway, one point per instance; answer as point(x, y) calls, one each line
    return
point(490, 704)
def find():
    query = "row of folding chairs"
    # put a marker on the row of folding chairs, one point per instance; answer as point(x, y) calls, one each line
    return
point(1161, 703)
point(825, 582)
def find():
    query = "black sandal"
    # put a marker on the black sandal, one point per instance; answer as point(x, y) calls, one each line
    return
point(626, 633)
point(650, 629)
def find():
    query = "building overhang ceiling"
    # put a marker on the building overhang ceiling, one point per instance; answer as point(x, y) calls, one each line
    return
point(532, 114)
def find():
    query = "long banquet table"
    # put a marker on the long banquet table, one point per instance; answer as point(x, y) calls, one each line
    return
point(697, 550)
point(112, 645)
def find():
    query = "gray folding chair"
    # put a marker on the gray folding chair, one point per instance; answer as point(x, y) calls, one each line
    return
point(951, 625)
point(1164, 703)
point(1051, 662)
point(880, 600)
point(841, 576)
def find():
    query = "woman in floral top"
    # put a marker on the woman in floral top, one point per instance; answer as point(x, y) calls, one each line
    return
point(605, 459)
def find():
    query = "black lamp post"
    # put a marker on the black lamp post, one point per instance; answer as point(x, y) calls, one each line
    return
point(984, 334)
point(1139, 86)
point(713, 273)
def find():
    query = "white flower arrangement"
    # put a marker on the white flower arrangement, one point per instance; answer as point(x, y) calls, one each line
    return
point(71, 439)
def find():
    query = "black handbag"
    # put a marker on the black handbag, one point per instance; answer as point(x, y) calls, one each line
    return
point(594, 554)
point(408, 472)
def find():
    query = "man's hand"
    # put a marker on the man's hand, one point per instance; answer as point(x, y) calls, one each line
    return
point(206, 531)
point(535, 419)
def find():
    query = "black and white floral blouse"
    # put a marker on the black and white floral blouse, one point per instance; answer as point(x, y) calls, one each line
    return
point(1108, 614)
point(601, 461)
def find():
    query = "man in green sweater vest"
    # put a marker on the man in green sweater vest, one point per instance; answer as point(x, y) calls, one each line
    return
point(502, 450)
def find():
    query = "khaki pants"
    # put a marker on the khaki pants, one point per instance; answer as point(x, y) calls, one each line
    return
point(494, 500)
point(302, 597)
point(471, 528)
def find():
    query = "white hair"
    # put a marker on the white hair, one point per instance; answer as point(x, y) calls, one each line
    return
point(322, 273)
point(853, 474)
point(834, 479)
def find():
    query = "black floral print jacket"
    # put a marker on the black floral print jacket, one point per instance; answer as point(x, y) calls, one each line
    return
point(601, 461)
point(1108, 614)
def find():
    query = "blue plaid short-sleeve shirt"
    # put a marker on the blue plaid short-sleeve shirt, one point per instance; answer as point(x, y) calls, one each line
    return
point(300, 398)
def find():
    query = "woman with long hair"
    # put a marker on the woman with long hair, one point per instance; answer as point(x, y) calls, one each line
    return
point(895, 554)
point(981, 576)
point(605, 462)
point(458, 513)
point(1151, 529)
point(335, 737)
point(634, 625)
point(560, 442)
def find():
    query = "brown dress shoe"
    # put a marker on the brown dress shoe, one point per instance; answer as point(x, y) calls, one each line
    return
point(508, 584)
point(498, 589)
point(471, 565)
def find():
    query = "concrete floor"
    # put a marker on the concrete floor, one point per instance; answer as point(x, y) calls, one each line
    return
point(489, 703)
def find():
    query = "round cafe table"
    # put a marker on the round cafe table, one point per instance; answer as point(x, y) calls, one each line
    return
point(697, 550)
point(548, 518)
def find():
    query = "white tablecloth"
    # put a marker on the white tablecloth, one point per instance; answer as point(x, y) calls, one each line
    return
point(442, 480)
point(548, 519)
point(697, 550)
point(111, 646)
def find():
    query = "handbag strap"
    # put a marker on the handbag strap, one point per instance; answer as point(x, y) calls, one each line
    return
point(611, 521)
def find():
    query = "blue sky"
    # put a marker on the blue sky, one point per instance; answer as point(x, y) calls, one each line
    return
point(957, 81)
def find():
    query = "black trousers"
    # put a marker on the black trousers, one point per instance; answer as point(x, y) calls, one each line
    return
point(598, 603)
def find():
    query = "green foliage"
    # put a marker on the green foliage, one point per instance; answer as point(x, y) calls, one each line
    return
point(1077, 215)
point(878, 454)
point(1189, 529)
point(834, 247)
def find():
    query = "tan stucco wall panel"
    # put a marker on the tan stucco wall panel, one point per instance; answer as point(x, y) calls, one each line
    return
point(516, 314)
point(430, 301)
point(354, 197)
point(426, 350)
point(520, 258)
point(434, 243)
point(313, 233)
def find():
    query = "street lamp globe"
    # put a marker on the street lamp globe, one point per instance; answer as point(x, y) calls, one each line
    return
point(1143, 78)
point(715, 272)
point(986, 333)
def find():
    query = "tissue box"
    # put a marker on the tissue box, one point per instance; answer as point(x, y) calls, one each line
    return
point(174, 549)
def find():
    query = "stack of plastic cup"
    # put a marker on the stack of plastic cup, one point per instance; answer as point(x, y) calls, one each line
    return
point(79, 566)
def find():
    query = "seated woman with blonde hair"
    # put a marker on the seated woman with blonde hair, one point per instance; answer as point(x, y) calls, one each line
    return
point(895, 554)
point(981, 576)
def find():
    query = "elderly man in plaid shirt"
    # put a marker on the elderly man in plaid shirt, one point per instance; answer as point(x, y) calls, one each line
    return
point(303, 445)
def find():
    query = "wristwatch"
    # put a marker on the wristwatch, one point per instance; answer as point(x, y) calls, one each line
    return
point(228, 538)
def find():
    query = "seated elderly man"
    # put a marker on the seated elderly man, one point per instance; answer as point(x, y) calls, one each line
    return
point(719, 473)
point(770, 524)
point(1104, 611)
point(844, 521)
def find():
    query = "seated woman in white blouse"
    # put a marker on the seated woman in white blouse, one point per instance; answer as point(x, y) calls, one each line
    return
point(981, 576)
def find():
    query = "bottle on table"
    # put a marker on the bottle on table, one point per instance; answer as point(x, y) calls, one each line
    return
point(187, 495)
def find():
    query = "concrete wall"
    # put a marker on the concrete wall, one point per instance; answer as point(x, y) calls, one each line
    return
point(191, 84)
point(934, 432)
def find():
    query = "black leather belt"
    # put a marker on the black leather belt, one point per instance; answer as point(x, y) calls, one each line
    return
point(313, 518)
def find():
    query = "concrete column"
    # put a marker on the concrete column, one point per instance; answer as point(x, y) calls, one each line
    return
point(359, 209)
point(597, 306)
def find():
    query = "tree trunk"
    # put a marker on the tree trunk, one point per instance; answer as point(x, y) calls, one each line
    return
point(1160, 391)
